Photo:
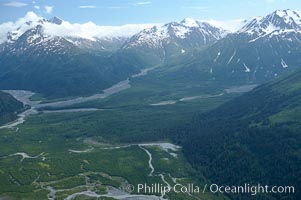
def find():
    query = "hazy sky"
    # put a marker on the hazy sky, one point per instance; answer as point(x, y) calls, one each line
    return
point(118, 12)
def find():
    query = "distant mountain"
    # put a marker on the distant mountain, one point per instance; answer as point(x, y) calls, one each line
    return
point(45, 35)
point(38, 56)
point(280, 22)
point(174, 38)
point(35, 40)
point(57, 66)
point(264, 48)
point(9, 107)
point(253, 139)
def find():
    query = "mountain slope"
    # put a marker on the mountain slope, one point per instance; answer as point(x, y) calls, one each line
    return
point(66, 75)
point(86, 36)
point(40, 59)
point(57, 66)
point(254, 138)
point(173, 39)
point(8, 108)
point(263, 49)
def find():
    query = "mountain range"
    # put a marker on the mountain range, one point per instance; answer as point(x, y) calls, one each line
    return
point(56, 65)
point(59, 66)
point(264, 48)
point(173, 39)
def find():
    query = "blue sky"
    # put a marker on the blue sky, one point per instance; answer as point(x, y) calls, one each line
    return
point(118, 12)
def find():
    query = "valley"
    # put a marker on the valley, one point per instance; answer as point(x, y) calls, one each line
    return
point(90, 167)
point(91, 116)
point(82, 139)
point(156, 161)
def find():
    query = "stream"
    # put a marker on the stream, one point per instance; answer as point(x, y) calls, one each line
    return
point(235, 89)
point(118, 194)
point(113, 192)
point(149, 161)
point(25, 156)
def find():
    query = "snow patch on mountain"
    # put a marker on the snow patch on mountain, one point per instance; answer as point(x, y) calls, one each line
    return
point(247, 69)
point(284, 65)
point(231, 58)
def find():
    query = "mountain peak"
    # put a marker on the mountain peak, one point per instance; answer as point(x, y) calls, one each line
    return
point(189, 22)
point(289, 18)
point(279, 20)
point(56, 20)
point(183, 36)
point(286, 12)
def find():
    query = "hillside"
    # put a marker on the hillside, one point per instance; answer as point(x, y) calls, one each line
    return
point(67, 66)
point(263, 49)
point(57, 66)
point(167, 42)
point(8, 108)
point(54, 76)
point(254, 138)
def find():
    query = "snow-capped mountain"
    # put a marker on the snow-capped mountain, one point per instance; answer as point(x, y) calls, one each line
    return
point(158, 35)
point(52, 36)
point(36, 49)
point(175, 38)
point(35, 41)
point(58, 59)
point(280, 22)
point(264, 48)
